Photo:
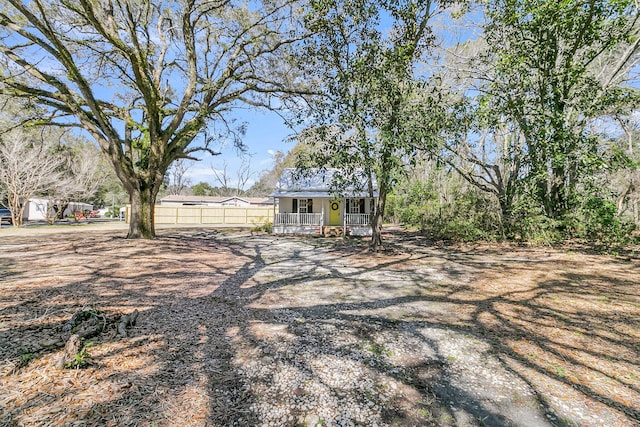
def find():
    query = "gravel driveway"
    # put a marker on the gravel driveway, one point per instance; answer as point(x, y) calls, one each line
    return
point(236, 329)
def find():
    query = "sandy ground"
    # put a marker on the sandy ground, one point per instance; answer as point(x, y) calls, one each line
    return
point(242, 329)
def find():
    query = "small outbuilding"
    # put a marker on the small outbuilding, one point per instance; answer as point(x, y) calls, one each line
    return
point(325, 202)
point(36, 209)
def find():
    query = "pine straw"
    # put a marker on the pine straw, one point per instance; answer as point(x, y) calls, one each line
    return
point(567, 324)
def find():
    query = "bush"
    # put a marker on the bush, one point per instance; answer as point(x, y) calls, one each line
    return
point(594, 220)
point(266, 227)
point(81, 359)
point(444, 207)
point(539, 229)
point(530, 224)
point(468, 216)
point(598, 221)
point(113, 212)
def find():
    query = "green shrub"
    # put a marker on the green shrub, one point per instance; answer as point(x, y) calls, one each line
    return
point(25, 359)
point(266, 227)
point(113, 212)
point(597, 220)
point(82, 358)
point(468, 216)
point(444, 206)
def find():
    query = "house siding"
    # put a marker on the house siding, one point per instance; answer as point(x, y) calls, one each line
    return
point(322, 205)
point(316, 185)
point(291, 204)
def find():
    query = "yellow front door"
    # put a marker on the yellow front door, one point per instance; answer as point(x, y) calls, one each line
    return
point(334, 212)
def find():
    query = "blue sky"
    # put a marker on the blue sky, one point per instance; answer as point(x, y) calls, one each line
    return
point(266, 133)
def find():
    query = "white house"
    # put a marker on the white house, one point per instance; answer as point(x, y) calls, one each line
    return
point(324, 201)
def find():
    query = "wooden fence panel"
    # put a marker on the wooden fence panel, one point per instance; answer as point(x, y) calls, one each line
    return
point(214, 215)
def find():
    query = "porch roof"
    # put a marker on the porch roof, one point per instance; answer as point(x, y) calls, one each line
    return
point(323, 183)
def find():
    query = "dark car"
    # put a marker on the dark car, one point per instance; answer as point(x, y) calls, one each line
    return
point(5, 217)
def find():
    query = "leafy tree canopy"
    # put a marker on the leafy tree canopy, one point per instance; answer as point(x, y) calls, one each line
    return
point(146, 78)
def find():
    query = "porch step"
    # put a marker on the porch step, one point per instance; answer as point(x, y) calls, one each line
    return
point(335, 231)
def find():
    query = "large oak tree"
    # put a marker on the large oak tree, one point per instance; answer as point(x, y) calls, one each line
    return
point(146, 78)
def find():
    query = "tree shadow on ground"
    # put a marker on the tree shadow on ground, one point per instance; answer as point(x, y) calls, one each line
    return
point(240, 330)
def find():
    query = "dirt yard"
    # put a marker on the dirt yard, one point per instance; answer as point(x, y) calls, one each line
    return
point(242, 330)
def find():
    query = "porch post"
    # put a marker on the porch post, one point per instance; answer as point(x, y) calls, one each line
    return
point(344, 217)
point(322, 218)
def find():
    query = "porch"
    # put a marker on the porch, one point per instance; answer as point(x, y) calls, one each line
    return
point(298, 219)
point(312, 202)
point(314, 223)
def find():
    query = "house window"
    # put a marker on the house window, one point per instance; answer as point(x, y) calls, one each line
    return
point(355, 206)
point(303, 205)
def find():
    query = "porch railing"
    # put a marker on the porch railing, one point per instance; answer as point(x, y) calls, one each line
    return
point(357, 219)
point(298, 219)
point(316, 219)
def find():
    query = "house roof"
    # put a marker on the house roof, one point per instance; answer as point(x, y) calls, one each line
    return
point(216, 199)
point(323, 183)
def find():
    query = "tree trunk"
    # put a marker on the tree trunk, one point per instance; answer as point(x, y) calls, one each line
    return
point(57, 208)
point(376, 222)
point(506, 212)
point(17, 210)
point(141, 220)
point(556, 198)
point(622, 198)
